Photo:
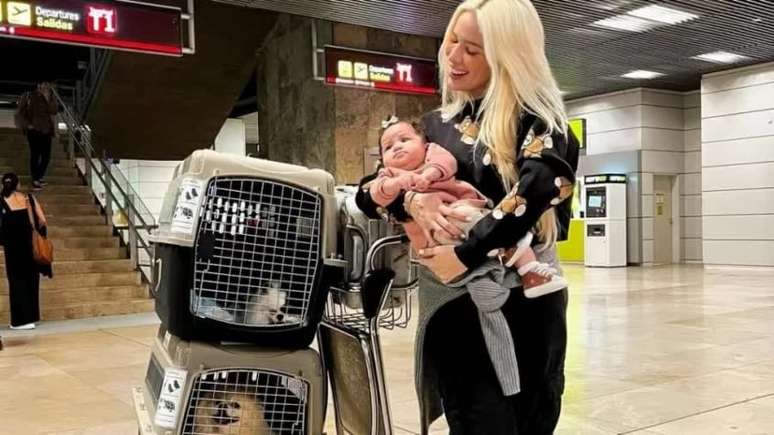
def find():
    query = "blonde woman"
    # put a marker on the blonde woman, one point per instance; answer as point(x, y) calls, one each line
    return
point(503, 119)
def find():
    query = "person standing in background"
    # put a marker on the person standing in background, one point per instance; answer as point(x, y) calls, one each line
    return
point(18, 213)
point(37, 109)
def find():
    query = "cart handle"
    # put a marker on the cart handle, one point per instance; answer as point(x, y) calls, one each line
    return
point(383, 243)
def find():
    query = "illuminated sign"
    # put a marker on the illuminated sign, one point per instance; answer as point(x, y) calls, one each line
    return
point(578, 127)
point(122, 25)
point(19, 13)
point(380, 71)
point(605, 178)
point(102, 21)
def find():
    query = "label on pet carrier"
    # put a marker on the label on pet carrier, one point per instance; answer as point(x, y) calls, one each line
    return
point(184, 217)
point(170, 399)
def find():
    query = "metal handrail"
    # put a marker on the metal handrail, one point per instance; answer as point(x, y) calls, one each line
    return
point(79, 137)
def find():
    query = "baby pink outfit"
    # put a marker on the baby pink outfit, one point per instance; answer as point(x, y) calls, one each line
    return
point(444, 161)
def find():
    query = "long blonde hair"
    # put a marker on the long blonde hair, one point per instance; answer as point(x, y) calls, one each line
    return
point(521, 79)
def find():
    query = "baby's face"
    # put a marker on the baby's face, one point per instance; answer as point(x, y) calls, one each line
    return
point(402, 147)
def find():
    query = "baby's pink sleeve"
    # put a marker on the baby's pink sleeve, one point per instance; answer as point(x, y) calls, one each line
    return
point(438, 157)
point(379, 196)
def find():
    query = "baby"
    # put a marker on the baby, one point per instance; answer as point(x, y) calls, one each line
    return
point(411, 164)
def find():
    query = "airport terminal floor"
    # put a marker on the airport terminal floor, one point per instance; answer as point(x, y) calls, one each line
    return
point(653, 350)
point(237, 193)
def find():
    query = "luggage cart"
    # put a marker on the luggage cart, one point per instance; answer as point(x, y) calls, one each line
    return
point(349, 342)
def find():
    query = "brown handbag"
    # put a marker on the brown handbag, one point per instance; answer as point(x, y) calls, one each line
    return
point(42, 248)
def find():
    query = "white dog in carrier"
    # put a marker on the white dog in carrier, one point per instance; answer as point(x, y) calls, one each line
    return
point(246, 250)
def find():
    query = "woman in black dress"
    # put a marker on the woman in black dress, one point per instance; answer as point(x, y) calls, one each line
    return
point(20, 267)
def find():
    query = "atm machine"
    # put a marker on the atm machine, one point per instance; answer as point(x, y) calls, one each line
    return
point(605, 235)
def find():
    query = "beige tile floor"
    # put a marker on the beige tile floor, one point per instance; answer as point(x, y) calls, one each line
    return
point(665, 350)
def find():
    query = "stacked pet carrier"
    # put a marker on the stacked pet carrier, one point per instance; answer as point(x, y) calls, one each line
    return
point(245, 254)
point(252, 259)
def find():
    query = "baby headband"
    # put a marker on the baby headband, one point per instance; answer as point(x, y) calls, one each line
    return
point(389, 121)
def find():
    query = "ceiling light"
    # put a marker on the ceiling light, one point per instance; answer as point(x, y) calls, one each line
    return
point(625, 22)
point(721, 57)
point(642, 74)
point(663, 14)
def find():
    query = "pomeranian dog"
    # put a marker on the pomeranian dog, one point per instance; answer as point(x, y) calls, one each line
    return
point(266, 307)
point(232, 414)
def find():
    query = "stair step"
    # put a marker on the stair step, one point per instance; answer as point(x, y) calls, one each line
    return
point(23, 171)
point(83, 310)
point(55, 181)
point(60, 189)
point(71, 210)
point(20, 144)
point(98, 309)
point(85, 242)
point(24, 153)
point(86, 254)
point(59, 232)
point(48, 199)
point(76, 221)
point(83, 280)
point(87, 295)
point(20, 162)
point(20, 141)
point(86, 266)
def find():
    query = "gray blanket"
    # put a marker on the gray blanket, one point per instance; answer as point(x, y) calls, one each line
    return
point(490, 286)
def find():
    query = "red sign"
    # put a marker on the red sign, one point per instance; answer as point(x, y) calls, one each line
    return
point(101, 20)
point(119, 25)
point(380, 71)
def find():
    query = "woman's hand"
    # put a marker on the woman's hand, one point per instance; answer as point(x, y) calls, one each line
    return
point(443, 262)
point(431, 212)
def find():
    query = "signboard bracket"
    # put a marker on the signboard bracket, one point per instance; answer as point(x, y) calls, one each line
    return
point(318, 53)
point(189, 42)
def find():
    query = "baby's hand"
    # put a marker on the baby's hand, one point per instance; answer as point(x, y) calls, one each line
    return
point(406, 180)
point(421, 183)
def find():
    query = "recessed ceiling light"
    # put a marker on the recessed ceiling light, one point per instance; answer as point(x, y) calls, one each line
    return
point(663, 14)
point(625, 22)
point(642, 74)
point(721, 57)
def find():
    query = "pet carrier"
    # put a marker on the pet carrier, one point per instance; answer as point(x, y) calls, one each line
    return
point(357, 235)
point(194, 388)
point(245, 250)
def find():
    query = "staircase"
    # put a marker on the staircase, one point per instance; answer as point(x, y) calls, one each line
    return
point(92, 275)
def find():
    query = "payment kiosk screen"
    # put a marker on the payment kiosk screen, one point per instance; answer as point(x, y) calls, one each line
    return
point(596, 198)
